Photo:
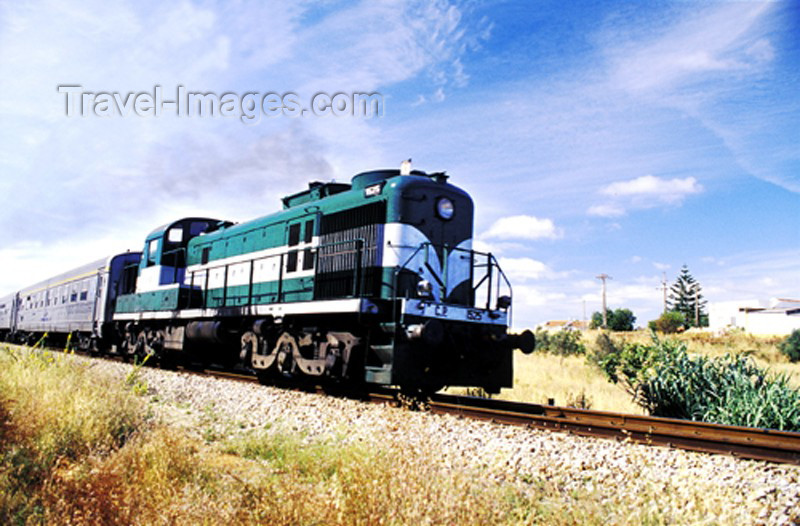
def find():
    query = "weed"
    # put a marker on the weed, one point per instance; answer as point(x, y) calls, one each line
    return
point(579, 400)
point(665, 380)
point(790, 347)
point(134, 377)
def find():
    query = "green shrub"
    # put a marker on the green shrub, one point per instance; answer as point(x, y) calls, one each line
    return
point(565, 342)
point(617, 320)
point(665, 380)
point(791, 346)
point(668, 323)
point(605, 355)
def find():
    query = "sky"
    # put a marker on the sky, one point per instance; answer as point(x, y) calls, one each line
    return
point(618, 138)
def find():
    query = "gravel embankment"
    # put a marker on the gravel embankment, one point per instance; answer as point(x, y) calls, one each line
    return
point(671, 481)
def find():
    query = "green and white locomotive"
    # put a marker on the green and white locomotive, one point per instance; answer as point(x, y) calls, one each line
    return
point(373, 282)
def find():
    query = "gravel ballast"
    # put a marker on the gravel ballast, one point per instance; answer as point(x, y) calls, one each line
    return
point(628, 475)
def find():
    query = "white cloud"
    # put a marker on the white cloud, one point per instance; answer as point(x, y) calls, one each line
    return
point(606, 210)
point(522, 227)
point(712, 41)
point(646, 191)
point(523, 269)
point(650, 187)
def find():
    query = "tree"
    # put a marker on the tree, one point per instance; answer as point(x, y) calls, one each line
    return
point(669, 322)
point(685, 298)
point(618, 319)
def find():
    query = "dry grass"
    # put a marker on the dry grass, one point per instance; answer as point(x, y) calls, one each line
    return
point(54, 411)
point(538, 377)
point(78, 448)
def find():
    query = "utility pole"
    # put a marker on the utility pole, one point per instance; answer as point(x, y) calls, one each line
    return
point(603, 278)
point(664, 288)
point(696, 304)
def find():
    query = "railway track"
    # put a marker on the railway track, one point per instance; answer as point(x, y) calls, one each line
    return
point(742, 442)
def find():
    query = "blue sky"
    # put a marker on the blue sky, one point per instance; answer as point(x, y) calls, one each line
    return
point(595, 137)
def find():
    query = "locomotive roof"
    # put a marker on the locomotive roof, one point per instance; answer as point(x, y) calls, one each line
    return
point(318, 190)
point(159, 231)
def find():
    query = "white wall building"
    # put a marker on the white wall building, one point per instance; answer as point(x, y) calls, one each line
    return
point(778, 317)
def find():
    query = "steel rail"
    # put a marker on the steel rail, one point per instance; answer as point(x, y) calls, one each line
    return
point(742, 442)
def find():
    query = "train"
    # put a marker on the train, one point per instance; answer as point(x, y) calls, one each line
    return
point(368, 283)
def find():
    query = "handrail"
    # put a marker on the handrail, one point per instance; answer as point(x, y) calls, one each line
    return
point(358, 276)
point(491, 265)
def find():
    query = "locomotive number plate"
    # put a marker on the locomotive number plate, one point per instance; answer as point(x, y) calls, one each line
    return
point(454, 312)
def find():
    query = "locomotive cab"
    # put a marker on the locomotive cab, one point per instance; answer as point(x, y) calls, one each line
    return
point(164, 255)
point(161, 271)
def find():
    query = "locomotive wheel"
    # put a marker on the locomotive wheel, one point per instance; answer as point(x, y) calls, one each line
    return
point(249, 347)
point(286, 347)
point(150, 346)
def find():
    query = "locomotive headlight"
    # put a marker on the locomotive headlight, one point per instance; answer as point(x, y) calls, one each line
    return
point(425, 289)
point(445, 208)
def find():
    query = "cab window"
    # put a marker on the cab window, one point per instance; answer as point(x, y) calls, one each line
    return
point(152, 250)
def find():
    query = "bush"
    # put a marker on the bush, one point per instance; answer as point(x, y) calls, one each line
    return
point(604, 355)
point(668, 323)
point(617, 320)
point(565, 342)
point(791, 346)
point(665, 380)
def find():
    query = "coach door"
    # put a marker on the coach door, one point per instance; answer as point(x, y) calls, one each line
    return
point(300, 260)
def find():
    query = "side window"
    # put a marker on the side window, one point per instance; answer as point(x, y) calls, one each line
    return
point(294, 234)
point(291, 261)
point(309, 231)
point(152, 249)
point(198, 227)
point(84, 295)
point(175, 235)
point(308, 259)
point(204, 255)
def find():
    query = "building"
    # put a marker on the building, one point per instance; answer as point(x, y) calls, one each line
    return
point(560, 325)
point(778, 317)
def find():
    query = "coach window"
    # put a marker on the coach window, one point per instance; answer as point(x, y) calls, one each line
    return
point(84, 295)
point(309, 231)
